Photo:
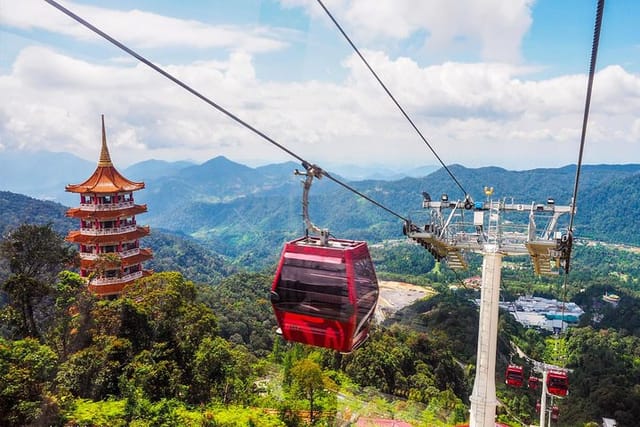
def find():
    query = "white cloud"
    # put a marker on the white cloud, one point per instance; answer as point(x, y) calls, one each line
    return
point(493, 28)
point(473, 114)
point(138, 28)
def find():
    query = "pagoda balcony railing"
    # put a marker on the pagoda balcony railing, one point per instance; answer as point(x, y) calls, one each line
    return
point(130, 252)
point(123, 254)
point(111, 280)
point(107, 231)
point(105, 206)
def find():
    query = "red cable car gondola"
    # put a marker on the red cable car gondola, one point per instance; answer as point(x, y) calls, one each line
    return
point(533, 382)
point(557, 383)
point(325, 290)
point(555, 413)
point(514, 376)
point(325, 295)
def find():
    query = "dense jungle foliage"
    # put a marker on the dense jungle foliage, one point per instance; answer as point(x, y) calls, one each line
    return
point(171, 352)
point(195, 343)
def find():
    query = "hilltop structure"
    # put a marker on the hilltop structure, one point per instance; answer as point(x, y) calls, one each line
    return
point(109, 237)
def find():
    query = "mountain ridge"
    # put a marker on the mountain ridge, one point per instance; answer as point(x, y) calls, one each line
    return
point(235, 209)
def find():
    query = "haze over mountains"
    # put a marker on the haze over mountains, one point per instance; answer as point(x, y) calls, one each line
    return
point(240, 211)
point(44, 174)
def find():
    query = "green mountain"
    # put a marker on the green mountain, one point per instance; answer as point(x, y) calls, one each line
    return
point(218, 180)
point(236, 219)
point(17, 209)
point(247, 213)
point(610, 211)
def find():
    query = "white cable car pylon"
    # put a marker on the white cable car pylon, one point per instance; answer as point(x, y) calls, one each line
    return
point(482, 227)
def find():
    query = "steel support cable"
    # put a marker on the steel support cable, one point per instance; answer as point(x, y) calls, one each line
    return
point(364, 196)
point(218, 107)
point(404, 113)
point(587, 103)
point(585, 119)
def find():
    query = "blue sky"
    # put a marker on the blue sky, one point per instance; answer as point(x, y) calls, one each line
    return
point(493, 82)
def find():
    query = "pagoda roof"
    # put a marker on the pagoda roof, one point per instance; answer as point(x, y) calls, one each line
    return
point(106, 213)
point(106, 178)
point(76, 236)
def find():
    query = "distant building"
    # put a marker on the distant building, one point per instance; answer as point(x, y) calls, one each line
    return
point(609, 422)
point(109, 237)
point(538, 312)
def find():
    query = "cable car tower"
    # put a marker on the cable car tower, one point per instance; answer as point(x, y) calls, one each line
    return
point(490, 228)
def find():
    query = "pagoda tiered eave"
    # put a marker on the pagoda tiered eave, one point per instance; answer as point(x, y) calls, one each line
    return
point(99, 212)
point(107, 235)
point(138, 255)
point(105, 179)
point(115, 285)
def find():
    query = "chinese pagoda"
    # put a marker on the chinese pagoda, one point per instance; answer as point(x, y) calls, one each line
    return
point(109, 237)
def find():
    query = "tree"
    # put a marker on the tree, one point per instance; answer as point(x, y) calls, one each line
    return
point(220, 372)
point(105, 262)
point(378, 363)
point(94, 371)
point(71, 314)
point(25, 369)
point(156, 375)
point(309, 379)
point(34, 254)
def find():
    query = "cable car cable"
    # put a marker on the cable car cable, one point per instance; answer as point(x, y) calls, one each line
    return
point(369, 199)
point(585, 119)
point(392, 97)
point(211, 103)
point(168, 76)
point(587, 103)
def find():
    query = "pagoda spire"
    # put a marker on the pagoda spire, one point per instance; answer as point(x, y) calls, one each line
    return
point(106, 179)
point(105, 158)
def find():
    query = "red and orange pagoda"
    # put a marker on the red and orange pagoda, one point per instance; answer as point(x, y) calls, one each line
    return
point(109, 237)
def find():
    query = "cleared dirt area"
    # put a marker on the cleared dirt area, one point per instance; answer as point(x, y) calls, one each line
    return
point(396, 295)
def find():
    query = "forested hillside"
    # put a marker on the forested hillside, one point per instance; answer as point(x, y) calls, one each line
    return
point(177, 350)
point(170, 352)
point(230, 217)
point(248, 213)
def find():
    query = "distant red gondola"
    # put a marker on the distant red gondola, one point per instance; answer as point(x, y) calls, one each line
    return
point(555, 413)
point(325, 295)
point(557, 383)
point(533, 382)
point(514, 376)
